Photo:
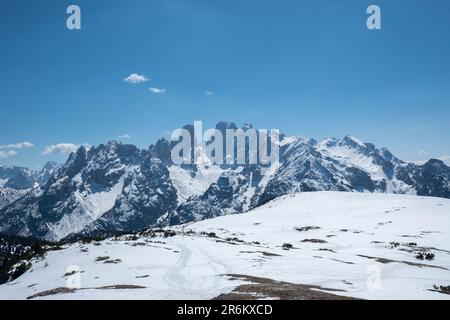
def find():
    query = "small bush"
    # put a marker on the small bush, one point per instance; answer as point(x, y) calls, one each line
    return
point(442, 289)
point(314, 240)
point(234, 239)
point(425, 256)
point(98, 259)
point(19, 270)
point(307, 228)
point(115, 261)
point(394, 244)
point(169, 233)
point(429, 256)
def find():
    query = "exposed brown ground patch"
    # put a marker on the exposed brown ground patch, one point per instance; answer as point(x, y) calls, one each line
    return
point(326, 249)
point(120, 287)
point(64, 290)
point(51, 292)
point(269, 254)
point(441, 289)
point(268, 288)
point(342, 261)
point(384, 260)
point(314, 240)
point(307, 228)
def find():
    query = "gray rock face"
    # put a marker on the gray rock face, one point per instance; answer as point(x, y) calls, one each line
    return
point(117, 187)
point(17, 178)
point(147, 194)
point(8, 196)
point(15, 182)
point(431, 179)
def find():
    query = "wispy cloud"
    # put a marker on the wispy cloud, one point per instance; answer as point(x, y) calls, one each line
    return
point(20, 145)
point(7, 150)
point(125, 136)
point(63, 148)
point(446, 159)
point(210, 93)
point(7, 154)
point(423, 153)
point(136, 78)
point(157, 90)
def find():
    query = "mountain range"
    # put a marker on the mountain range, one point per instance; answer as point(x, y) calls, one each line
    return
point(17, 181)
point(117, 187)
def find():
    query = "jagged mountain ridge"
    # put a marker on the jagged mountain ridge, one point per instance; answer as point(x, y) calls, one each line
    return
point(117, 187)
point(15, 182)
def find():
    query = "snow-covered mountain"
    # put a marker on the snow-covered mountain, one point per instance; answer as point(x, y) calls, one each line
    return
point(313, 245)
point(17, 181)
point(16, 177)
point(117, 187)
point(9, 195)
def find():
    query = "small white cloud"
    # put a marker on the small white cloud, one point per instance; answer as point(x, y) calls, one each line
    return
point(210, 93)
point(20, 145)
point(7, 154)
point(135, 78)
point(157, 90)
point(125, 136)
point(60, 148)
point(423, 153)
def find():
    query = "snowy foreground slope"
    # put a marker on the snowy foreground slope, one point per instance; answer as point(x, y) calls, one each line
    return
point(343, 244)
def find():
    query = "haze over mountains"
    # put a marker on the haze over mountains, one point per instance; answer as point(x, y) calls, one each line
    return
point(118, 187)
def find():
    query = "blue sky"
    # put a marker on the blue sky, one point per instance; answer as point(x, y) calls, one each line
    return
point(309, 68)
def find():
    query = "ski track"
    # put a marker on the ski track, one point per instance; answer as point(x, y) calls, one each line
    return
point(198, 284)
point(174, 277)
